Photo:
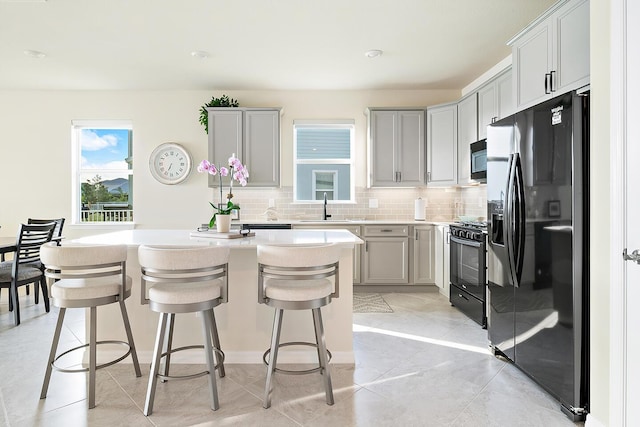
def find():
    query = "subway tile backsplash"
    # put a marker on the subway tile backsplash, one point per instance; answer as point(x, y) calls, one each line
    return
point(442, 204)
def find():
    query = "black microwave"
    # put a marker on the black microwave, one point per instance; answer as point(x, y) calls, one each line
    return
point(479, 160)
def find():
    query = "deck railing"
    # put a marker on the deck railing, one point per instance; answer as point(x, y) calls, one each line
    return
point(107, 215)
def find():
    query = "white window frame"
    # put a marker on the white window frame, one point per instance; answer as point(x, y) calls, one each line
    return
point(331, 124)
point(76, 165)
point(314, 181)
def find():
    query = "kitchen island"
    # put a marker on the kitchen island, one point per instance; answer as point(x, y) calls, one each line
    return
point(243, 324)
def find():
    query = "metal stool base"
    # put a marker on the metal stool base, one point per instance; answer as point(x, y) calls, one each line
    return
point(293, 371)
point(104, 365)
point(219, 352)
point(324, 356)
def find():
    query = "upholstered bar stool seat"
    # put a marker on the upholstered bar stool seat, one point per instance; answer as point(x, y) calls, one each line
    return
point(178, 279)
point(298, 278)
point(87, 277)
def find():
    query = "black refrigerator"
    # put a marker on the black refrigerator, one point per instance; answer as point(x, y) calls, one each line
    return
point(537, 251)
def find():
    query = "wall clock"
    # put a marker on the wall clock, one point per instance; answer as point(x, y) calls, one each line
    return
point(170, 163)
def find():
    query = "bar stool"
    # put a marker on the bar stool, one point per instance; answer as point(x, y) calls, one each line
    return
point(298, 278)
point(87, 277)
point(182, 279)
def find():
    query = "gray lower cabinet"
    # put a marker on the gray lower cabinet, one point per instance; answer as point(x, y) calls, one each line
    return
point(357, 255)
point(253, 134)
point(386, 254)
point(425, 255)
point(446, 260)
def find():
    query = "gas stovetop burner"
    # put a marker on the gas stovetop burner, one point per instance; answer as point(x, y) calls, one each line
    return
point(473, 224)
point(469, 230)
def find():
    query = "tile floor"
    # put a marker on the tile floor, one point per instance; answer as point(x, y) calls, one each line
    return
point(426, 364)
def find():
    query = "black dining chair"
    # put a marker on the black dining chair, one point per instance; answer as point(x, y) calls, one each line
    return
point(57, 236)
point(25, 267)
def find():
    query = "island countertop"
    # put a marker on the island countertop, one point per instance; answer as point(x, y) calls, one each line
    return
point(185, 237)
point(243, 324)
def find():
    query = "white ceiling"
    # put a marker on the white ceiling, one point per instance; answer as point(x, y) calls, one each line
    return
point(255, 44)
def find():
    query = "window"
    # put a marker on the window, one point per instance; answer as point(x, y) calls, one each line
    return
point(323, 156)
point(102, 172)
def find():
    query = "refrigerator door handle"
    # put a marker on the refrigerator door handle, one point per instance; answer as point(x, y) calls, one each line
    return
point(508, 220)
point(520, 220)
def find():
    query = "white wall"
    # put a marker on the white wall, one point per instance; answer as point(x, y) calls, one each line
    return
point(600, 208)
point(36, 142)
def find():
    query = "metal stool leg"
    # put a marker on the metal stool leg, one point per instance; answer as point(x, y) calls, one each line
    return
point(127, 328)
point(52, 353)
point(153, 375)
point(216, 342)
point(322, 353)
point(168, 345)
point(273, 355)
point(92, 357)
point(211, 367)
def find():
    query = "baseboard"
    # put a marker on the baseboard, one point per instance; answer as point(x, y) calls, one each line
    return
point(592, 421)
point(239, 357)
point(395, 288)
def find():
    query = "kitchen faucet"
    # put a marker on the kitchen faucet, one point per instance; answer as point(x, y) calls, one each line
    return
point(325, 215)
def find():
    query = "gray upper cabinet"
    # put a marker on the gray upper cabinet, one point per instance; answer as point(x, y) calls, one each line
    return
point(467, 133)
point(253, 134)
point(495, 101)
point(442, 145)
point(396, 148)
point(551, 56)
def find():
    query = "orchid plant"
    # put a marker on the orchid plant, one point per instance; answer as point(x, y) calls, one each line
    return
point(237, 172)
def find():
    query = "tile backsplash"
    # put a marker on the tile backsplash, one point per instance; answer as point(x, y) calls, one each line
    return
point(441, 204)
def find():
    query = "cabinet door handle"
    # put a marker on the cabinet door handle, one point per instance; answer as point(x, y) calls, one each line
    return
point(546, 83)
point(399, 176)
point(552, 79)
point(416, 234)
point(366, 246)
point(428, 176)
point(386, 230)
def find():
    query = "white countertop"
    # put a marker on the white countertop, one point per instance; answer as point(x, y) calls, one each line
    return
point(338, 222)
point(262, 237)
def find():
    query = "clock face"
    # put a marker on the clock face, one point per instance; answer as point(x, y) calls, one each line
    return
point(170, 163)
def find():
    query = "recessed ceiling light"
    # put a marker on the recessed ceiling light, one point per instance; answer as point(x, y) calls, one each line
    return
point(200, 54)
point(35, 54)
point(373, 53)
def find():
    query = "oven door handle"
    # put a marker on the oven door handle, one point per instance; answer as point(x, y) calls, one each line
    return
point(466, 242)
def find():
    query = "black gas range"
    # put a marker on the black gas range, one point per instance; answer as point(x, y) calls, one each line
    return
point(468, 269)
point(472, 230)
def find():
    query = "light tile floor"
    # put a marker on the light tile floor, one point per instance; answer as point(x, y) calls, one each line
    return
point(426, 364)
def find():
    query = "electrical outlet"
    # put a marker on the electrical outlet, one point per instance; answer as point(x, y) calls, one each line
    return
point(373, 203)
point(272, 203)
